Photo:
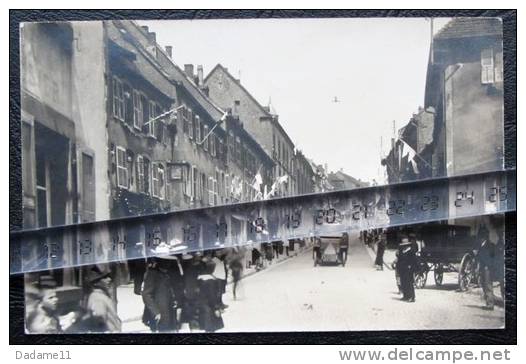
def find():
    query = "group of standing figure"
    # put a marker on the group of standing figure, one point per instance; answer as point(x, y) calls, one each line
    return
point(187, 289)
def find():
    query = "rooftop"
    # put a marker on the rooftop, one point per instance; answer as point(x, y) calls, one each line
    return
point(470, 27)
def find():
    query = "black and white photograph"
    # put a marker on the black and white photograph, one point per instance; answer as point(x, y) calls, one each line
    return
point(263, 175)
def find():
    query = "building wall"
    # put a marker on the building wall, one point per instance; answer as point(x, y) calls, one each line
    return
point(89, 110)
point(474, 120)
point(225, 91)
point(198, 159)
point(262, 126)
point(130, 63)
point(468, 130)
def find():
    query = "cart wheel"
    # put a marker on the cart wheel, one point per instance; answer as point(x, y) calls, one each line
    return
point(439, 275)
point(420, 279)
point(466, 272)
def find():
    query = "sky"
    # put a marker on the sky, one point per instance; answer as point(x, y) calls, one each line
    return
point(375, 67)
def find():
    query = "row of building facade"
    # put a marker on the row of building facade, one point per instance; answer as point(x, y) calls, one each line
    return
point(112, 127)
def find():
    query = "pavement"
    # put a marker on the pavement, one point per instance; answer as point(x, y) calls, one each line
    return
point(293, 295)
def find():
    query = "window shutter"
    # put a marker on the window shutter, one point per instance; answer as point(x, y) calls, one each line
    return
point(184, 116)
point(191, 126)
point(487, 66)
point(128, 104)
point(205, 144)
point(210, 191)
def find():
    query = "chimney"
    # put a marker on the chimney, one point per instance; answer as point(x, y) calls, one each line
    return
point(168, 50)
point(152, 37)
point(189, 70)
point(145, 28)
point(200, 76)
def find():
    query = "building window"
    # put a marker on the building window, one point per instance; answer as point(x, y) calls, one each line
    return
point(195, 183)
point(227, 186)
point(137, 110)
point(213, 145)
point(203, 189)
point(158, 181)
point(188, 172)
point(118, 99)
point(88, 188)
point(191, 125)
point(197, 123)
point(184, 117)
point(238, 150)
point(122, 168)
point(205, 132)
point(152, 113)
point(140, 174)
point(487, 66)
point(211, 193)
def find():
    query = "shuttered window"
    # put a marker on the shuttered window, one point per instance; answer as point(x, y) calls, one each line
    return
point(122, 168)
point(487, 66)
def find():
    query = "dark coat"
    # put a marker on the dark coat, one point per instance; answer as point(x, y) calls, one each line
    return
point(162, 293)
point(209, 305)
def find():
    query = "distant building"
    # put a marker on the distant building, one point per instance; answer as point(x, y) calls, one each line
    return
point(304, 174)
point(410, 157)
point(259, 122)
point(342, 181)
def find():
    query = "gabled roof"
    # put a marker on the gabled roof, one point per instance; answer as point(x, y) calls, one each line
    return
point(470, 27)
point(225, 70)
point(271, 117)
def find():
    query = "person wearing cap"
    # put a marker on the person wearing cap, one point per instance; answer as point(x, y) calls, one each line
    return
point(101, 312)
point(162, 294)
point(406, 267)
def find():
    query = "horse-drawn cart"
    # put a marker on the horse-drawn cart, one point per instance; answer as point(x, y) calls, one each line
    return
point(447, 249)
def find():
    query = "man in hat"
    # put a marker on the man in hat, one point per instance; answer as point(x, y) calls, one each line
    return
point(406, 267)
point(101, 311)
point(162, 294)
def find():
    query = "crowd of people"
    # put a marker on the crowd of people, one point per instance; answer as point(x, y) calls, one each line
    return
point(178, 291)
point(175, 289)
